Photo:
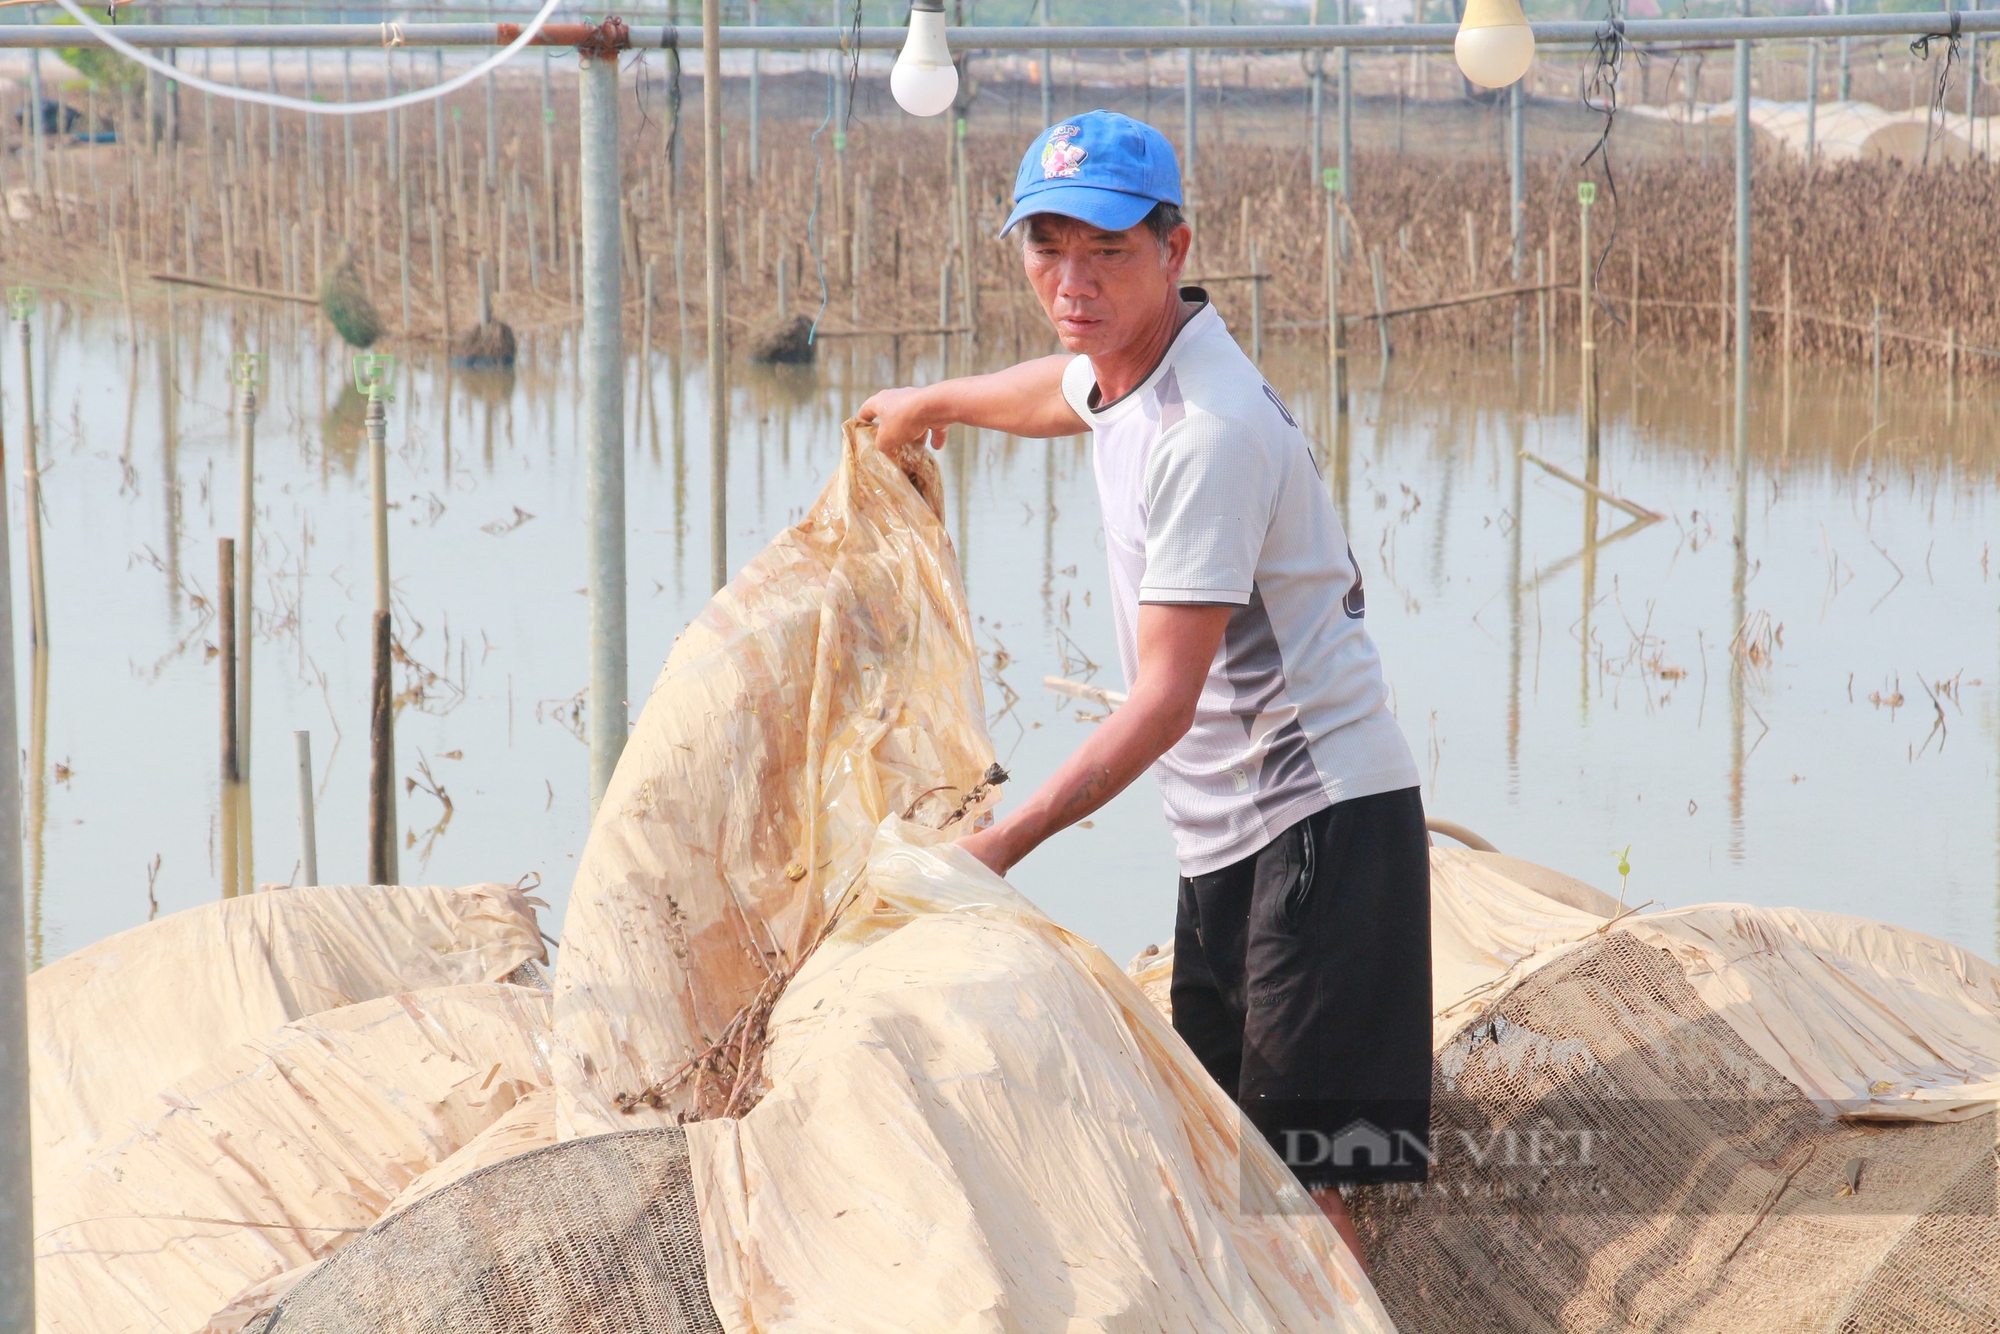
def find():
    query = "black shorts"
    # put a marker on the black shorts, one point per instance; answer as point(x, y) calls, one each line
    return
point(1302, 980)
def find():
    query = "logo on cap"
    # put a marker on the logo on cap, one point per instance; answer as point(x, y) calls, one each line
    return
point(1061, 157)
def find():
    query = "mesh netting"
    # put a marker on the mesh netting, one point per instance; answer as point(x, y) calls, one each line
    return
point(1710, 1194)
point(591, 1235)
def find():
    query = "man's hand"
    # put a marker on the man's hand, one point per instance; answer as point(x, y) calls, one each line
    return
point(902, 416)
point(1024, 400)
point(1177, 645)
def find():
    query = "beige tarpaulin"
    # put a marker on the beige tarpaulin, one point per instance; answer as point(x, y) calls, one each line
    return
point(277, 1152)
point(232, 1091)
point(111, 1024)
point(969, 1120)
point(832, 683)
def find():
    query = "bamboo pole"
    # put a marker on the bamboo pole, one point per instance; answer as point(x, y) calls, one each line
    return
point(372, 375)
point(229, 842)
point(248, 374)
point(22, 299)
point(1256, 306)
point(1586, 195)
point(17, 1263)
point(308, 826)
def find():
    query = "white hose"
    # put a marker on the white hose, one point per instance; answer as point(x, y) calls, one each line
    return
point(110, 38)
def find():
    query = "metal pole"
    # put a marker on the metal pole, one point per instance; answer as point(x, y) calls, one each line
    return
point(1812, 105)
point(231, 784)
point(1336, 327)
point(1318, 83)
point(1190, 93)
point(22, 300)
point(1586, 194)
point(1846, 62)
point(35, 97)
point(1346, 118)
point(718, 349)
point(1033, 37)
point(756, 98)
point(1517, 186)
point(308, 831)
point(17, 1251)
point(381, 713)
point(1743, 147)
point(603, 408)
point(1049, 77)
point(246, 435)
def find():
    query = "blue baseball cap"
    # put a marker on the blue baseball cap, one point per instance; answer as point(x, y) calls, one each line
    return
point(1101, 168)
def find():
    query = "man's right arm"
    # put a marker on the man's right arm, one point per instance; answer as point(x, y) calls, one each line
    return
point(1024, 400)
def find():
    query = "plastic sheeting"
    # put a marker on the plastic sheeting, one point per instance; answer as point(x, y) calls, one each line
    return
point(230, 1092)
point(832, 683)
point(976, 1122)
point(279, 1151)
point(113, 1023)
point(969, 1120)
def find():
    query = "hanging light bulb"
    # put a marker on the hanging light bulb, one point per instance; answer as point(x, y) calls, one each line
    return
point(1495, 45)
point(924, 80)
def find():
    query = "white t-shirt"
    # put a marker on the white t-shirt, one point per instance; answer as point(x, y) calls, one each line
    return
point(1211, 494)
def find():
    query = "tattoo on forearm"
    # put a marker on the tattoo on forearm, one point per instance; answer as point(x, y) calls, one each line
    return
point(1091, 790)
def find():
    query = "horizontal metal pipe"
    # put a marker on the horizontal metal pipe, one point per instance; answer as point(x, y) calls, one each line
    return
point(1270, 37)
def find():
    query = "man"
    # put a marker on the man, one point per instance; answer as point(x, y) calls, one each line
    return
point(1302, 940)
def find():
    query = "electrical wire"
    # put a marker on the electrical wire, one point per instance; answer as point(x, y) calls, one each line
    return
point(1600, 94)
point(1921, 49)
point(390, 37)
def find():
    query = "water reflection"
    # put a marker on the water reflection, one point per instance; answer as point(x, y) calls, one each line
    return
point(1814, 782)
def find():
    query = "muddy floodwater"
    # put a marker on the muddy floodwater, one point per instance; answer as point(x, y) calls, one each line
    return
point(1814, 723)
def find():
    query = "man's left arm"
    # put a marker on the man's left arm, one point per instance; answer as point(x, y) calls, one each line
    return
point(1177, 643)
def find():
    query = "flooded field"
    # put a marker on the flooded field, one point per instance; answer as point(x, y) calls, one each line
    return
point(1819, 725)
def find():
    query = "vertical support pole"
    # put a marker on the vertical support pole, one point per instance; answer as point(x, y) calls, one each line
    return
point(1743, 148)
point(1048, 75)
point(1256, 304)
point(1972, 81)
point(1336, 327)
point(248, 373)
point(35, 98)
point(1346, 118)
point(1875, 409)
point(1812, 105)
point(603, 408)
point(717, 291)
point(1586, 195)
point(308, 827)
point(22, 301)
point(371, 376)
point(230, 787)
point(1517, 186)
point(756, 98)
point(1381, 305)
point(548, 154)
point(1786, 356)
point(1846, 63)
point(1191, 92)
point(17, 1261)
point(1316, 79)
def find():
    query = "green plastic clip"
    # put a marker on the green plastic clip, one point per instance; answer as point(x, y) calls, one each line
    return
point(246, 369)
point(548, 115)
point(372, 373)
point(1330, 178)
point(1586, 193)
point(21, 302)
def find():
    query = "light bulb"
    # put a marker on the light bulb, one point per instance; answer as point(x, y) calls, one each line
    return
point(1495, 45)
point(924, 80)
